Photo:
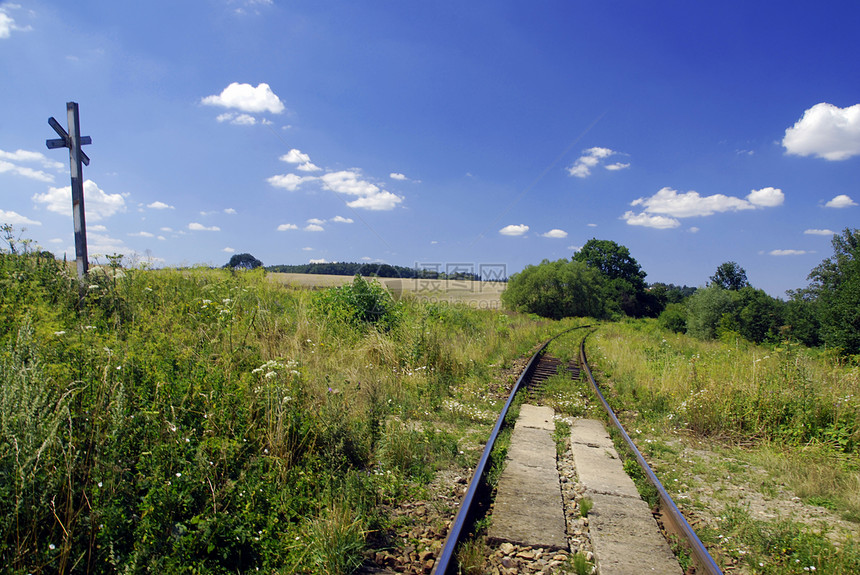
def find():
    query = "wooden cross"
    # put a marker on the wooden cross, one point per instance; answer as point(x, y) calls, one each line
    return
point(73, 141)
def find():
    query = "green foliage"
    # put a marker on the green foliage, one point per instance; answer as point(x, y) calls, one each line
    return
point(243, 261)
point(715, 312)
point(730, 276)
point(624, 290)
point(835, 289)
point(555, 290)
point(360, 303)
point(674, 318)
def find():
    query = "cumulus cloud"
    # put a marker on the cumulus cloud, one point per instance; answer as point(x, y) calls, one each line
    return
point(766, 197)
point(319, 261)
point(16, 219)
point(590, 159)
point(141, 235)
point(396, 176)
point(663, 208)
point(814, 232)
point(198, 227)
point(98, 204)
point(840, 201)
point(314, 228)
point(555, 233)
point(7, 23)
point(341, 220)
point(316, 221)
point(230, 211)
point(289, 182)
point(650, 220)
point(787, 252)
point(514, 230)
point(285, 227)
point(228, 250)
point(159, 206)
point(370, 196)
point(825, 131)
point(295, 156)
point(104, 244)
point(247, 98)
point(10, 164)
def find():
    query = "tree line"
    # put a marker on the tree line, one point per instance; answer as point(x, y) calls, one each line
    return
point(604, 281)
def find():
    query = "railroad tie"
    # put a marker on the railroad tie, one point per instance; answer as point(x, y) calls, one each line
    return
point(528, 508)
point(624, 535)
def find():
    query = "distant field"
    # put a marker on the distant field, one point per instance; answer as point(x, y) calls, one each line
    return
point(475, 294)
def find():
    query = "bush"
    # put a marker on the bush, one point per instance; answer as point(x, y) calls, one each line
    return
point(360, 303)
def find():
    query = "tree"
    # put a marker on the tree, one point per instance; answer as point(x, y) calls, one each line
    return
point(835, 286)
point(243, 262)
point(555, 290)
point(730, 276)
point(624, 288)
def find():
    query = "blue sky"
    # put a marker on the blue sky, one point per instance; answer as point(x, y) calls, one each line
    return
point(439, 133)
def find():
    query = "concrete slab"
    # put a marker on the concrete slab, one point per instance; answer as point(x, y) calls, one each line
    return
point(537, 416)
point(528, 508)
point(626, 539)
point(624, 534)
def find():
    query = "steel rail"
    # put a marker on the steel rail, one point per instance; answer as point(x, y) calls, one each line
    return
point(678, 524)
point(446, 564)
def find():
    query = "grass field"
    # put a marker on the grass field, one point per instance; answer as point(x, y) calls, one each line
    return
point(475, 294)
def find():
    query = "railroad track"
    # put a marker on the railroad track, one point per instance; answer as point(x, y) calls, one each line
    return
point(540, 368)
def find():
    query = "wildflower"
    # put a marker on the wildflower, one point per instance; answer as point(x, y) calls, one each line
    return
point(58, 333)
point(178, 474)
point(51, 546)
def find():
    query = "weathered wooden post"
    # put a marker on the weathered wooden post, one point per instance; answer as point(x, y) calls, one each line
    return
point(73, 141)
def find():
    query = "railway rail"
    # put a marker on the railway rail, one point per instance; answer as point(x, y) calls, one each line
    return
point(538, 369)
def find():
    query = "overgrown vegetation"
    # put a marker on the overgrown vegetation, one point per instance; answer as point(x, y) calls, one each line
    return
point(210, 421)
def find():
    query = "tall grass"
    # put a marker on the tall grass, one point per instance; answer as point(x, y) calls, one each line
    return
point(181, 420)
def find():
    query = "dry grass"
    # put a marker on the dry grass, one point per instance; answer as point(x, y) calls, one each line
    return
point(475, 294)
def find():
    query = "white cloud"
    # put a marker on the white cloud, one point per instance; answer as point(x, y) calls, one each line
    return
point(319, 261)
point(38, 175)
point(589, 159)
point(28, 156)
point(813, 232)
point(97, 228)
point(228, 250)
point(16, 219)
point(246, 98)
point(840, 201)
point(341, 220)
point(295, 156)
point(616, 166)
point(514, 230)
point(555, 233)
point(230, 211)
point(316, 221)
point(142, 235)
point(650, 220)
point(371, 197)
point(396, 176)
point(289, 182)
point(693, 230)
point(381, 201)
point(307, 249)
point(825, 131)
point(97, 204)
point(198, 227)
point(285, 227)
point(787, 252)
point(314, 228)
point(160, 206)
point(103, 244)
point(670, 202)
point(766, 197)
point(7, 23)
